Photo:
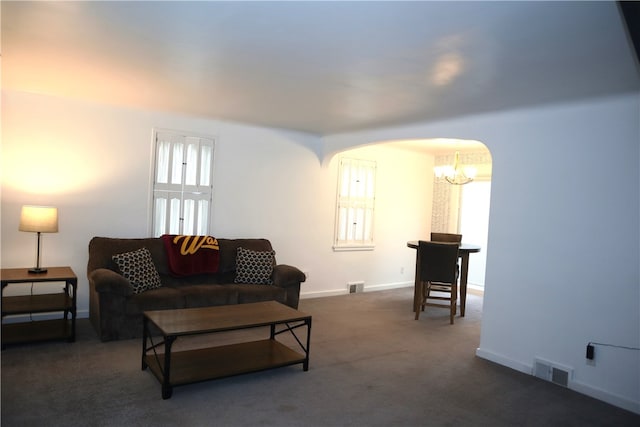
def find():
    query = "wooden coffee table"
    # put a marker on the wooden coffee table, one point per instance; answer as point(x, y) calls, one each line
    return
point(190, 366)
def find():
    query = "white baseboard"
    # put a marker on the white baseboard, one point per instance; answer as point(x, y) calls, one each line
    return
point(373, 288)
point(320, 294)
point(577, 386)
point(605, 396)
point(474, 289)
point(496, 358)
point(386, 286)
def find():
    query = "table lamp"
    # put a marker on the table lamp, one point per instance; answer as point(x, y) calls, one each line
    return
point(39, 219)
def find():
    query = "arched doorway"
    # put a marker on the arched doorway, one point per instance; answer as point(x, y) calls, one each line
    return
point(464, 209)
point(409, 198)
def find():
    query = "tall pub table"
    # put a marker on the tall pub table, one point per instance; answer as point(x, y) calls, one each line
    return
point(464, 251)
point(63, 302)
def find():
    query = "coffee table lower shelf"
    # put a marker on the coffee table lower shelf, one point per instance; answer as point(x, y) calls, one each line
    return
point(190, 366)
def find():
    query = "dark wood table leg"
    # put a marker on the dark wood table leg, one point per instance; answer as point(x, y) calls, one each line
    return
point(464, 272)
point(416, 284)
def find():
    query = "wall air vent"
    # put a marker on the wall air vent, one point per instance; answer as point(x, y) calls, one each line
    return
point(541, 370)
point(560, 376)
point(552, 372)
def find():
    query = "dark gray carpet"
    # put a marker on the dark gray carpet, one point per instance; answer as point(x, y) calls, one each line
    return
point(371, 365)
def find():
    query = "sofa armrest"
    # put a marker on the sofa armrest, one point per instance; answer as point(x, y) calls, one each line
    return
point(287, 275)
point(105, 280)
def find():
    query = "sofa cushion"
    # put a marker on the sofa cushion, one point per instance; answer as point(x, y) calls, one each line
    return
point(137, 266)
point(254, 267)
point(161, 298)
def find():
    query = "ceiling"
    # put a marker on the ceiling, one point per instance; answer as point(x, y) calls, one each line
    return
point(318, 67)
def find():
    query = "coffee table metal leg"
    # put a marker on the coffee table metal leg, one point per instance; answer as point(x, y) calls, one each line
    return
point(167, 390)
point(305, 365)
point(291, 329)
point(145, 326)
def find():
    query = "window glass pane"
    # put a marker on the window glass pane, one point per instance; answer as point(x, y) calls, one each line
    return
point(205, 164)
point(354, 190)
point(192, 165)
point(203, 216)
point(357, 182)
point(174, 216)
point(162, 162)
point(370, 190)
point(342, 224)
point(176, 163)
point(188, 214)
point(359, 225)
point(368, 226)
point(160, 218)
point(351, 224)
point(345, 179)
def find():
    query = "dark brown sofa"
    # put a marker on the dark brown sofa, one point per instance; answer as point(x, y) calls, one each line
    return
point(116, 311)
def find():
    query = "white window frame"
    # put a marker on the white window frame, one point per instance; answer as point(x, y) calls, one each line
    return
point(182, 183)
point(355, 205)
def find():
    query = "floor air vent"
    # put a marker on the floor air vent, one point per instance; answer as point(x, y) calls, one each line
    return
point(355, 287)
point(560, 377)
point(549, 371)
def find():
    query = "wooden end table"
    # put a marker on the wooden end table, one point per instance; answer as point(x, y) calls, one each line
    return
point(39, 330)
point(190, 366)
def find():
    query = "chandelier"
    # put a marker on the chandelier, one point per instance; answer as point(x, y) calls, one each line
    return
point(456, 174)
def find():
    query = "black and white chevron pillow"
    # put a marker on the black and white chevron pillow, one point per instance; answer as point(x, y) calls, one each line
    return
point(254, 267)
point(139, 269)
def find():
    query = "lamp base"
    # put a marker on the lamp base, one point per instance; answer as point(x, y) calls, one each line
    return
point(37, 270)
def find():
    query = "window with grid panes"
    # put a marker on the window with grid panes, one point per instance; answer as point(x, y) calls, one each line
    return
point(183, 183)
point(355, 205)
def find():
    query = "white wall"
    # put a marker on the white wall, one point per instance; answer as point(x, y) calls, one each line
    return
point(562, 267)
point(93, 162)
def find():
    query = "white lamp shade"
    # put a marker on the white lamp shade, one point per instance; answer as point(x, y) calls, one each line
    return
point(43, 219)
